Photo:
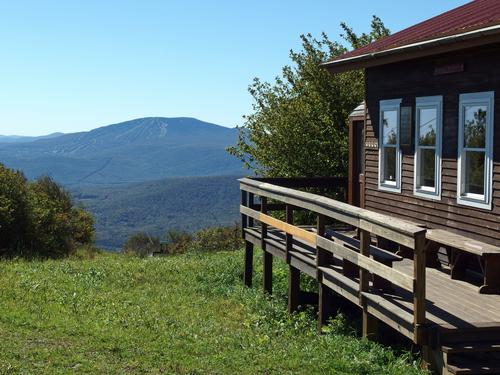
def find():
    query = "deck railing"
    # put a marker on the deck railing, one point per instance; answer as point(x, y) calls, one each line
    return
point(367, 223)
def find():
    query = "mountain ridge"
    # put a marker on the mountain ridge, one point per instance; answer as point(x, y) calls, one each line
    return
point(132, 151)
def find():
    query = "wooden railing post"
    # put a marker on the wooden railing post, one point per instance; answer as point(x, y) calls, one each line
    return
point(419, 288)
point(244, 219)
point(250, 222)
point(267, 258)
point(289, 237)
point(369, 323)
point(248, 272)
point(326, 298)
point(322, 256)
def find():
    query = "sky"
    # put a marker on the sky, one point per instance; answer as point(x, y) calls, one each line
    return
point(68, 66)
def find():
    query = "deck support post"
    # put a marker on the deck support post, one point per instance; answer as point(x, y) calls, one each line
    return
point(288, 236)
point(370, 326)
point(326, 305)
point(293, 289)
point(244, 218)
point(267, 258)
point(248, 273)
point(419, 264)
point(267, 278)
point(369, 322)
point(323, 257)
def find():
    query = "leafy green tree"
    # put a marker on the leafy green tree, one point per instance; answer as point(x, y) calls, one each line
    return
point(39, 219)
point(56, 225)
point(14, 211)
point(299, 123)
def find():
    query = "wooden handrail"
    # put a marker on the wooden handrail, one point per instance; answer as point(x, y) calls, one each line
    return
point(305, 182)
point(401, 231)
point(368, 222)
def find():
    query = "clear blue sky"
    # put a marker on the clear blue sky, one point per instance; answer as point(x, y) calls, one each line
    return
point(76, 65)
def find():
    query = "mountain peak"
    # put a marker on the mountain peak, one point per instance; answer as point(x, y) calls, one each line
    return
point(135, 150)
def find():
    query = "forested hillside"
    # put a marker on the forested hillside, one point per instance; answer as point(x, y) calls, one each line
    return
point(189, 203)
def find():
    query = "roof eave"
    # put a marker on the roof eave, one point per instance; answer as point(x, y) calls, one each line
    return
point(431, 47)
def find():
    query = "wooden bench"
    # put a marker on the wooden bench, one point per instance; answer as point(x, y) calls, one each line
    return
point(351, 270)
point(461, 250)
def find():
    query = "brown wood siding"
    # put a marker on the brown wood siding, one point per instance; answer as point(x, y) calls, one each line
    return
point(411, 79)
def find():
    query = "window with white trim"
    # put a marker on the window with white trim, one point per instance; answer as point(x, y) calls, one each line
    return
point(428, 123)
point(389, 151)
point(475, 149)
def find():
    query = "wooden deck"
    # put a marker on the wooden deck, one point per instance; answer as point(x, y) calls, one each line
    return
point(449, 303)
point(443, 316)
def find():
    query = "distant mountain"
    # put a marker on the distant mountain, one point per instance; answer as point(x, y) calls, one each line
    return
point(22, 138)
point(189, 203)
point(133, 151)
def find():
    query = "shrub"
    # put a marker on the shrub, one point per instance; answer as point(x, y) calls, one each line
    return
point(57, 227)
point(38, 219)
point(84, 252)
point(178, 241)
point(218, 238)
point(141, 244)
point(14, 210)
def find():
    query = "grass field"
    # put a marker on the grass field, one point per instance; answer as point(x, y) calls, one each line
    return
point(185, 314)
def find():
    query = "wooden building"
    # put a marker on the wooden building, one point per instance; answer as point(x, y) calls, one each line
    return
point(436, 86)
point(417, 246)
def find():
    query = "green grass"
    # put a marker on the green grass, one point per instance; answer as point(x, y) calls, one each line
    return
point(186, 314)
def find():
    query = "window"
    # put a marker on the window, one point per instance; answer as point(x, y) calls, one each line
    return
point(428, 123)
point(475, 149)
point(389, 152)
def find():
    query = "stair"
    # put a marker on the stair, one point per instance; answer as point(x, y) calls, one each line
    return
point(470, 348)
point(474, 350)
point(470, 366)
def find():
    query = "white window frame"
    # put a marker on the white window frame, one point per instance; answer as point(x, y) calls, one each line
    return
point(423, 103)
point(476, 200)
point(395, 187)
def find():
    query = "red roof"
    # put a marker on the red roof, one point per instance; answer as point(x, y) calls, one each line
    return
point(475, 15)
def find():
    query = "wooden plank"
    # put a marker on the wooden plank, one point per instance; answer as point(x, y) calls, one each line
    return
point(463, 243)
point(305, 182)
point(303, 263)
point(329, 207)
point(340, 284)
point(279, 224)
point(396, 277)
point(389, 313)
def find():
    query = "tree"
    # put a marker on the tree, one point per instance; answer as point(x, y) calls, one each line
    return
point(14, 211)
point(38, 218)
point(57, 226)
point(299, 123)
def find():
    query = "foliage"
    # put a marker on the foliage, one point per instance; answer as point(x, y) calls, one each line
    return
point(178, 241)
point(14, 210)
point(226, 238)
point(187, 203)
point(141, 244)
point(186, 314)
point(218, 238)
point(39, 219)
point(299, 123)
